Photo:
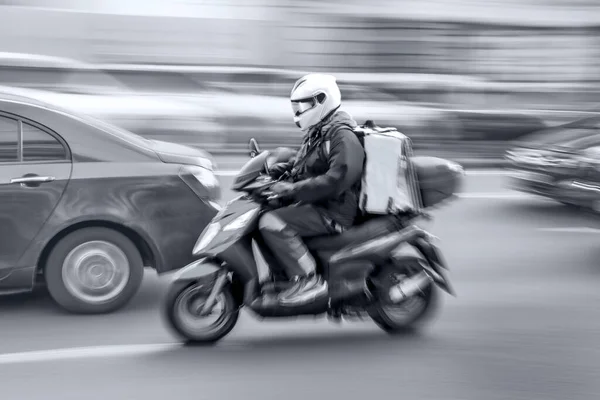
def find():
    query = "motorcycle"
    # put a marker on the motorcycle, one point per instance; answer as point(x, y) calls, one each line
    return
point(386, 267)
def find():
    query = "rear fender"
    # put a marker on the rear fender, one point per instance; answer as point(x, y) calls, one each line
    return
point(431, 252)
point(405, 256)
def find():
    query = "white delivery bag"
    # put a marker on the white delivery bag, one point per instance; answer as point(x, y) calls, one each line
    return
point(389, 183)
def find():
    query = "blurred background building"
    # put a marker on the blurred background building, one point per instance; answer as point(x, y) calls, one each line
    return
point(528, 56)
point(528, 40)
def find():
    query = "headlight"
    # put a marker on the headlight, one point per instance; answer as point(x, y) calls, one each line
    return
point(240, 221)
point(203, 175)
point(207, 236)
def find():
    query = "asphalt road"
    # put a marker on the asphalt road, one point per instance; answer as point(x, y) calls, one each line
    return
point(525, 325)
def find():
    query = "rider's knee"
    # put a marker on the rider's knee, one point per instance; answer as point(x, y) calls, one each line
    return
point(271, 222)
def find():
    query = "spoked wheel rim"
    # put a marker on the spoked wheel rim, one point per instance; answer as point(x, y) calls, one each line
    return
point(187, 309)
point(96, 272)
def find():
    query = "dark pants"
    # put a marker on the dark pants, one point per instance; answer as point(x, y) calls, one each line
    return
point(282, 230)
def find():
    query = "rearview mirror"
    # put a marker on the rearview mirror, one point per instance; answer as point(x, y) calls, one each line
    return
point(254, 149)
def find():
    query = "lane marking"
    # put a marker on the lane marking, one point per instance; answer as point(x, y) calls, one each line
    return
point(496, 195)
point(84, 352)
point(231, 172)
point(571, 229)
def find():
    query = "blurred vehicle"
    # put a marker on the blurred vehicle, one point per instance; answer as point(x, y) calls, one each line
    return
point(386, 267)
point(561, 163)
point(244, 112)
point(496, 125)
point(85, 205)
point(252, 102)
point(83, 88)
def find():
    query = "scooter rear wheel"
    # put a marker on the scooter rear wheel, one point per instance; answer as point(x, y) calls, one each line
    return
point(408, 316)
point(182, 311)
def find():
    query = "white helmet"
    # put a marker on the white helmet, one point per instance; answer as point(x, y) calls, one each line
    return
point(314, 97)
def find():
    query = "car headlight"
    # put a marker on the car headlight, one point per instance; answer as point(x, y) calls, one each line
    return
point(215, 205)
point(241, 221)
point(203, 175)
point(207, 236)
point(206, 163)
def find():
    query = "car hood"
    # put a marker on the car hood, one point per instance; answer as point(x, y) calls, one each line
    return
point(181, 154)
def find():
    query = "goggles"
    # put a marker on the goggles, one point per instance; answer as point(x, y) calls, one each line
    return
point(301, 106)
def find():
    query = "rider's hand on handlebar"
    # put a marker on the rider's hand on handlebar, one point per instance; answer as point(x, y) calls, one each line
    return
point(282, 189)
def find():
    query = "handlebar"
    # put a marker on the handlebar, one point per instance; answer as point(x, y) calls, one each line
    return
point(270, 195)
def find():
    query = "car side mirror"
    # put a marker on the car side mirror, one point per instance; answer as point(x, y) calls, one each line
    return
point(254, 149)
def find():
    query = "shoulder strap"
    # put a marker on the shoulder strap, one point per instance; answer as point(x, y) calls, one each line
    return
point(327, 139)
point(300, 162)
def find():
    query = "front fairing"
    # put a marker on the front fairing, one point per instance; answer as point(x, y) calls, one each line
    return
point(250, 171)
point(199, 269)
point(235, 221)
point(256, 168)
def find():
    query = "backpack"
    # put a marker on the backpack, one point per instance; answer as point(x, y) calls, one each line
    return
point(389, 184)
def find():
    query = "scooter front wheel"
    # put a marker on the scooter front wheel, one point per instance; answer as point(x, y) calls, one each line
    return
point(183, 308)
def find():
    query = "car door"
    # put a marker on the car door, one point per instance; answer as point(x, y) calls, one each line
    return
point(35, 167)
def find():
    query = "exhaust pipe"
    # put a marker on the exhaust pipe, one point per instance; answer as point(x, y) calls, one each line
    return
point(409, 287)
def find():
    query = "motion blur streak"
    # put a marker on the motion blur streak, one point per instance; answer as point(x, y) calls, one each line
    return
point(464, 79)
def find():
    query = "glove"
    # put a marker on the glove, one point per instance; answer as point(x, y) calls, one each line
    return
point(283, 189)
point(279, 169)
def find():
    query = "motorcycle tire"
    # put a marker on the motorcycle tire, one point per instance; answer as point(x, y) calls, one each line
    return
point(178, 312)
point(383, 313)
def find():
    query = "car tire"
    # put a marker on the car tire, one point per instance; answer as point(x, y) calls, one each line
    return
point(93, 270)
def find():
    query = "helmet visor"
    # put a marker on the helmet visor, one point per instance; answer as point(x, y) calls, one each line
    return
point(301, 106)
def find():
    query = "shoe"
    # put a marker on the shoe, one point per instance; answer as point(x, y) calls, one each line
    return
point(306, 290)
point(296, 283)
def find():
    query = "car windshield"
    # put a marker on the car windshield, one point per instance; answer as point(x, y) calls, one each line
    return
point(114, 130)
point(111, 129)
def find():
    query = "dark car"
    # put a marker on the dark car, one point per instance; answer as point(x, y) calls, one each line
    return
point(85, 206)
point(560, 163)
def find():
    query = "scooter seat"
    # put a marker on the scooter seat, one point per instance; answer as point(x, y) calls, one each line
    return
point(356, 235)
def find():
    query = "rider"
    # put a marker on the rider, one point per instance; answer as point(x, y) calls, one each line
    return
point(324, 185)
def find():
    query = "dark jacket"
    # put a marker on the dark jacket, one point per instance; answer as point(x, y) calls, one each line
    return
point(330, 176)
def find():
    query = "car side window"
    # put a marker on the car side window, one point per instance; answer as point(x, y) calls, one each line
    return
point(41, 146)
point(9, 140)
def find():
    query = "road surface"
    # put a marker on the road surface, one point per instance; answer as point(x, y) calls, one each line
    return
point(525, 325)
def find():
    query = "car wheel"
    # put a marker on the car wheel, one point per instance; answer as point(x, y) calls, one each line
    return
point(94, 271)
